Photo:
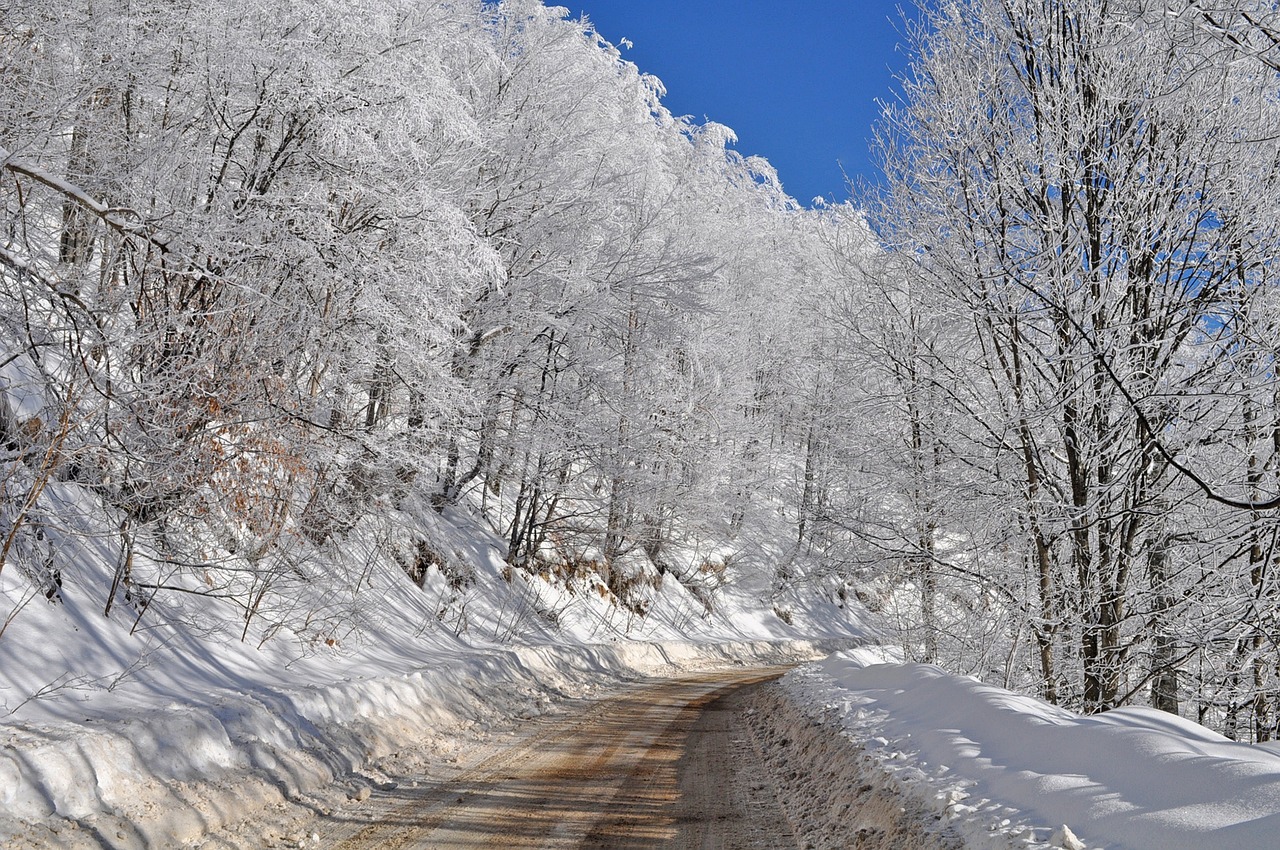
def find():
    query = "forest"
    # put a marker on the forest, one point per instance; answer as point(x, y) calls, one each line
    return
point(282, 282)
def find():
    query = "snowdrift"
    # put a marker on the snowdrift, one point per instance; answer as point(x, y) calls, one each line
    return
point(1007, 770)
point(173, 718)
point(168, 776)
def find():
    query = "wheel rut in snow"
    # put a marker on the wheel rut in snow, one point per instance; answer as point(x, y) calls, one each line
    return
point(663, 765)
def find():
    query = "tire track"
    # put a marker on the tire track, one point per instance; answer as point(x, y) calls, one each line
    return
point(614, 775)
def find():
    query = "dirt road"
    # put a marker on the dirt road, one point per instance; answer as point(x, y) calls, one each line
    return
point(662, 765)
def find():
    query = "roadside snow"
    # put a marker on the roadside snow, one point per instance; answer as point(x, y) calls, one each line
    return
point(139, 720)
point(1009, 771)
point(170, 776)
point(835, 794)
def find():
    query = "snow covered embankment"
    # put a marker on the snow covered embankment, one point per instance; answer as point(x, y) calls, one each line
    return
point(172, 776)
point(998, 770)
point(835, 794)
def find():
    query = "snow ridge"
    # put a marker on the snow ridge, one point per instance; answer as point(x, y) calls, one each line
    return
point(1007, 770)
point(239, 754)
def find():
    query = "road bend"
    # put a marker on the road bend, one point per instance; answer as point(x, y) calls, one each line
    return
point(666, 764)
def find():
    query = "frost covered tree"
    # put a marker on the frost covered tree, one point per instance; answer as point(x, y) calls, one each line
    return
point(285, 282)
point(244, 212)
point(1099, 220)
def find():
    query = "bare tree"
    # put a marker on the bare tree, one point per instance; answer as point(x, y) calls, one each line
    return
point(1097, 223)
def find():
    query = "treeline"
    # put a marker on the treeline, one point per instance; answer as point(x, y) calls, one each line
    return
point(278, 278)
point(1077, 327)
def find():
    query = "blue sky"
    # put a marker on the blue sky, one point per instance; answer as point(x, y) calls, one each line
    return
point(796, 79)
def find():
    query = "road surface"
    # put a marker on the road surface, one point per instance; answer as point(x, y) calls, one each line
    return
point(667, 764)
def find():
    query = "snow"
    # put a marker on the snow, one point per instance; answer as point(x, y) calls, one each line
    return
point(159, 725)
point(1005, 770)
point(163, 734)
point(170, 773)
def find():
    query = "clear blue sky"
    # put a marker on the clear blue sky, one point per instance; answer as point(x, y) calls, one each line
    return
point(797, 80)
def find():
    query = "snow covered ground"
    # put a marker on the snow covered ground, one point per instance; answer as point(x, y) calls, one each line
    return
point(170, 719)
point(165, 775)
point(868, 752)
point(1001, 770)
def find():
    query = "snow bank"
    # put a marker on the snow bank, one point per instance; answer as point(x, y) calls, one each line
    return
point(1006, 771)
point(175, 716)
point(180, 771)
point(835, 794)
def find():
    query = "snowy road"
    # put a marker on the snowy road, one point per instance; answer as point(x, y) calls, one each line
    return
point(662, 765)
